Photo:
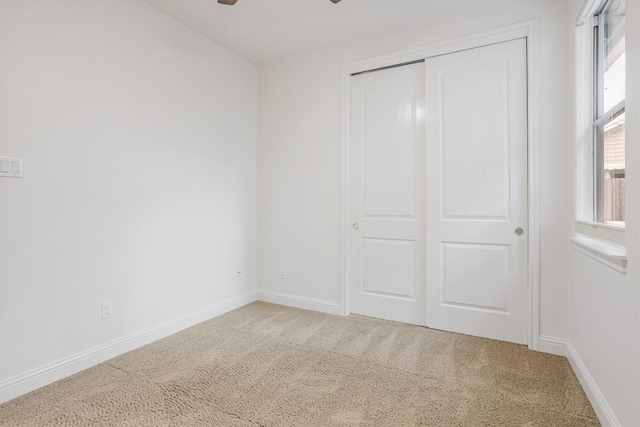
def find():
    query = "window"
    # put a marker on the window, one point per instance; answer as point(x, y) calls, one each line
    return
point(609, 114)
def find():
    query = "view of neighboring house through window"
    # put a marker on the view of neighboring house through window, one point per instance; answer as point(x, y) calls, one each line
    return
point(609, 117)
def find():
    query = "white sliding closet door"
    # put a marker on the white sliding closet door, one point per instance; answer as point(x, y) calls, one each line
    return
point(388, 194)
point(477, 192)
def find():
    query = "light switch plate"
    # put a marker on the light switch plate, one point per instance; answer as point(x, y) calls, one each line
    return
point(10, 167)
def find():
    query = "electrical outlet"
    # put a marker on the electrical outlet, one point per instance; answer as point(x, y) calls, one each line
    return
point(283, 273)
point(107, 310)
point(239, 275)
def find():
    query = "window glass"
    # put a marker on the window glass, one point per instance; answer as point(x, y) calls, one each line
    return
point(609, 120)
point(613, 61)
point(614, 172)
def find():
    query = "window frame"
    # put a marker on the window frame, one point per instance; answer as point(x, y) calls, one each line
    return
point(585, 178)
point(599, 120)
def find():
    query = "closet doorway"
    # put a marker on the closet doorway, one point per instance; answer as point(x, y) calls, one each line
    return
point(438, 192)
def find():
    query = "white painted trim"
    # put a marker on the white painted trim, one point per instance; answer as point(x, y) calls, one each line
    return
point(589, 8)
point(305, 303)
point(533, 193)
point(346, 168)
point(47, 374)
point(600, 405)
point(552, 345)
point(601, 231)
point(497, 35)
point(606, 253)
point(526, 29)
point(583, 14)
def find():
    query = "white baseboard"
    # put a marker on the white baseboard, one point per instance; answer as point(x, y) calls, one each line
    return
point(600, 405)
point(552, 345)
point(32, 380)
point(305, 303)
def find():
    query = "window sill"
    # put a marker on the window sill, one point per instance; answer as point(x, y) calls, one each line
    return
point(608, 253)
point(601, 232)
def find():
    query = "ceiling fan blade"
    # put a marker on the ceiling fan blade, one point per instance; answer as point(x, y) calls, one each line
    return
point(232, 2)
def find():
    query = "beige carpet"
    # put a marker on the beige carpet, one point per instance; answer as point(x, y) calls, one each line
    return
point(268, 365)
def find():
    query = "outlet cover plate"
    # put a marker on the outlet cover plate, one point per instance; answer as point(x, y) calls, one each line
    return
point(10, 167)
point(107, 310)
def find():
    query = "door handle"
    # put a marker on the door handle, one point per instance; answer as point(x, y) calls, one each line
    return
point(519, 231)
point(355, 226)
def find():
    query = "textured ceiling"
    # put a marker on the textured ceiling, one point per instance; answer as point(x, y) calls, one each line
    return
point(264, 31)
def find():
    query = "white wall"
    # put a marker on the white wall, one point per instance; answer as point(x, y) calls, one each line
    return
point(139, 144)
point(604, 321)
point(300, 157)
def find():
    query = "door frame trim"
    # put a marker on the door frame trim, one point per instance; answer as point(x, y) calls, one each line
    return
point(529, 31)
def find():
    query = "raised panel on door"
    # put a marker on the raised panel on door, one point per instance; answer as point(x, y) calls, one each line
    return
point(387, 185)
point(475, 139)
point(388, 151)
point(477, 186)
point(475, 276)
point(388, 267)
